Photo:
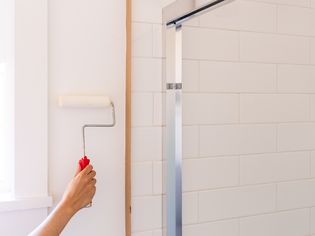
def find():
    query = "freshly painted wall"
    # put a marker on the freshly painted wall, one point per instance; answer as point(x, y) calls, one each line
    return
point(86, 56)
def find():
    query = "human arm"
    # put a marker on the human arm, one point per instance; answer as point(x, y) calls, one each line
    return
point(78, 195)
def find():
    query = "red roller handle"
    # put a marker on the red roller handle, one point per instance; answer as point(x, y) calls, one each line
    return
point(84, 162)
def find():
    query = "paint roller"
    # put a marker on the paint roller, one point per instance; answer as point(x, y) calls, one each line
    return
point(88, 102)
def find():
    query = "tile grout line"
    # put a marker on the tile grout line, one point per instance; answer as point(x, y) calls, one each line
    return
point(198, 207)
point(239, 46)
point(310, 163)
point(310, 107)
point(239, 226)
point(229, 60)
point(239, 170)
point(266, 33)
point(310, 220)
point(252, 185)
point(240, 217)
point(152, 184)
point(276, 196)
point(277, 19)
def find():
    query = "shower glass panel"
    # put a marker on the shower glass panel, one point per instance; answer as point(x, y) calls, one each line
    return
point(245, 106)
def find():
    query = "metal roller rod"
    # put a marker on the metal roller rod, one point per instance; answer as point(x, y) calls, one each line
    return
point(98, 126)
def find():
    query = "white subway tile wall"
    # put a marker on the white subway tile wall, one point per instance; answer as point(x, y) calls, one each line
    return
point(190, 208)
point(210, 173)
point(290, 223)
point(297, 194)
point(243, 15)
point(220, 228)
point(236, 202)
point(210, 44)
point(296, 78)
point(274, 108)
point(274, 48)
point(294, 20)
point(236, 77)
point(249, 119)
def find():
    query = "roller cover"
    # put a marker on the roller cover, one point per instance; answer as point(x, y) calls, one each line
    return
point(84, 101)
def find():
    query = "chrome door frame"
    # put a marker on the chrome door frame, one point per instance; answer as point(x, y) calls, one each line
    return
point(173, 17)
point(174, 131)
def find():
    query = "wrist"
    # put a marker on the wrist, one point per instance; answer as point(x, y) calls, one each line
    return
point(66, 208)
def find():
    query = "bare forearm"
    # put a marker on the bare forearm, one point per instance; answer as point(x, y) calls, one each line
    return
point(78, 195)
point(55, 222)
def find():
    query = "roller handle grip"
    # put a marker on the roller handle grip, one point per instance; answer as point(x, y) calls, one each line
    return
point(84, 162)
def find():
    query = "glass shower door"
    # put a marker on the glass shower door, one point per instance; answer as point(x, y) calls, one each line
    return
point(248, 124)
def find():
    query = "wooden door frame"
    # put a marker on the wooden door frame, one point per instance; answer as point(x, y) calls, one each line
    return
point(128, 117)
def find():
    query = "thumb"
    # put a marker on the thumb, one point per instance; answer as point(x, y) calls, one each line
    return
point(78, 170)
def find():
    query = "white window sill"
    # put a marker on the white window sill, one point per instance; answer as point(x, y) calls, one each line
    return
point(17, 204)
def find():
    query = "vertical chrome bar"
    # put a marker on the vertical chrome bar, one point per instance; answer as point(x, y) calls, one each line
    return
point(174, 131)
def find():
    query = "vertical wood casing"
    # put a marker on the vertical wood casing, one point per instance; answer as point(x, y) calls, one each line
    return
point(128, 118)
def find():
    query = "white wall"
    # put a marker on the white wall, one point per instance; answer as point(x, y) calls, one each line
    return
point(86, 56)
point(248, 114)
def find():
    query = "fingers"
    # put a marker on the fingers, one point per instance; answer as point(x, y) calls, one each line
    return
point(78, 170)
point(93, 182)
point(87, 170)
point(88, 205)
point(89, 178)
point(92, 174)
point(92, 192)
point(90, 185)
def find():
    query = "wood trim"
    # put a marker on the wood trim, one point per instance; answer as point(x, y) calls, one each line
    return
point(128, 117)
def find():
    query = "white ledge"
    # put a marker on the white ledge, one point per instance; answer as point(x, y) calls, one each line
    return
point(17, 204)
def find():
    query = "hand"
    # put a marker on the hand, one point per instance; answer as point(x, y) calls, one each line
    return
point(78, 194)
point(80, 190)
